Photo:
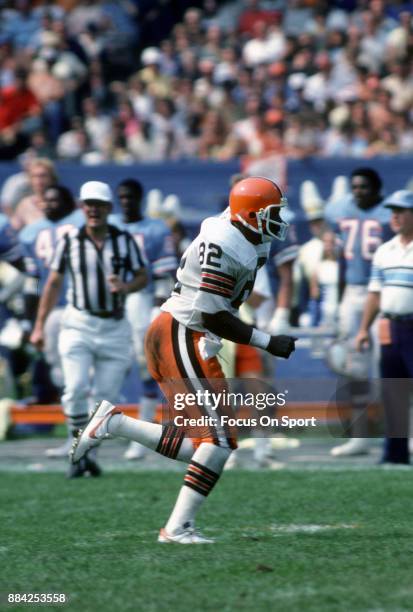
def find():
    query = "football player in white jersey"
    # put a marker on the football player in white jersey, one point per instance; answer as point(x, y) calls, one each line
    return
point(215, 277)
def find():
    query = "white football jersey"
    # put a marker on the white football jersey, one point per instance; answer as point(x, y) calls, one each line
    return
point(217, 272)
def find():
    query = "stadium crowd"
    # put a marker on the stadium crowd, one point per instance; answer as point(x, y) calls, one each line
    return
point(96, 81)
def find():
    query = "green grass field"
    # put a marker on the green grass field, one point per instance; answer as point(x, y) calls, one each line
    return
point(289, 540)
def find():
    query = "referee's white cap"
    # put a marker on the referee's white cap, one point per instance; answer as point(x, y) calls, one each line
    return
point(400, 199)
point(95, 190)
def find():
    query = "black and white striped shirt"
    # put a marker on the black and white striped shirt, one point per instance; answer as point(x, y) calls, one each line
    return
point(88, 268)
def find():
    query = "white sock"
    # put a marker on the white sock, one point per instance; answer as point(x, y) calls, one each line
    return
point(148, 434)
point(146, 412)
point(189, 500)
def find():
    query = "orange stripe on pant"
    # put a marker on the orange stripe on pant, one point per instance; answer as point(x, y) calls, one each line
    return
point(174, 361)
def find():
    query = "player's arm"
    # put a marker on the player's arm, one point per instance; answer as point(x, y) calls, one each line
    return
point(372, 303)
point(136, 266)
point(216, 299)
point(371, 310)
point(47, 302)
point(138, 282)
point(228, 326)
point(285, 291)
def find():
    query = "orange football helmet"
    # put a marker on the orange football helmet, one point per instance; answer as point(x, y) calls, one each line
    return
point(256, 202)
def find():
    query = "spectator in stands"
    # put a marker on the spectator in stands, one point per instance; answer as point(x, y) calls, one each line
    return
point(399, 83)
point(311, 58)
point(98, 125)
point(319, 89)
point(15, 188)
point(301, 138)
point(21, 23)
point(193, 24)
point(19, 112)
point(254, 13)
point(50, 92)
point(73, 143)
point(267, 45)
point(397, 40)
point(158, 84)
point(39, 145)
point(383, 142)
point(213, 136)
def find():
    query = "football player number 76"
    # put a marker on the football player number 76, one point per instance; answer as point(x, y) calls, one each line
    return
point(368, 232)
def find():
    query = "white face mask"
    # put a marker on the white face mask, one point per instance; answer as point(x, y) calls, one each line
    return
point(274, 216)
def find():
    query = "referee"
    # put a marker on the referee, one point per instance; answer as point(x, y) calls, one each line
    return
point(102, 264)
point(391, 294)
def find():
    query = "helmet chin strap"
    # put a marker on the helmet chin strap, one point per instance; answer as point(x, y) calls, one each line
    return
point(250, 227)
point(266, 235)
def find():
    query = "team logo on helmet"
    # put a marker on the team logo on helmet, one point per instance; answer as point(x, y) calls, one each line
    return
point(257, 203)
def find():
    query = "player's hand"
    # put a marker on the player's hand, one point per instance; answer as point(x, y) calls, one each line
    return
point(281, 346)
point(116, 284)
point(37, 338)
point(362, 341)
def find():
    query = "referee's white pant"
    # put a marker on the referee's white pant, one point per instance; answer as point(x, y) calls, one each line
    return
point(96, 354)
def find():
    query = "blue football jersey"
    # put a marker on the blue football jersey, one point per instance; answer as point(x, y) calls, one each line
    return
point(155, 242)
point(39, 241)
point(10, 248)
point(360, 232)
